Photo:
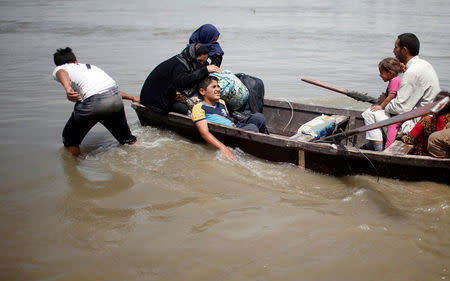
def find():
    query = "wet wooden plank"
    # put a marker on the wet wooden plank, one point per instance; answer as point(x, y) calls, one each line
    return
point(398, 148)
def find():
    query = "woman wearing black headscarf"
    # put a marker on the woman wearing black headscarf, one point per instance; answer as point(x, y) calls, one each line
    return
point(180, 72)
point(208, 35)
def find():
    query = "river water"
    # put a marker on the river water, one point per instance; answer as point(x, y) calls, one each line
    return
point(170, 209)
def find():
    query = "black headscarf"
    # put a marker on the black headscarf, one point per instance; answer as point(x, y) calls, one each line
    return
point(205, 34)
point(188, 57)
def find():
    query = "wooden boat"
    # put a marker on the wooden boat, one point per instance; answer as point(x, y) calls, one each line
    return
point(283, 145)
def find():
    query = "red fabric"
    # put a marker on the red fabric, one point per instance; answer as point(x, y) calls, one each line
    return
point(423, 129)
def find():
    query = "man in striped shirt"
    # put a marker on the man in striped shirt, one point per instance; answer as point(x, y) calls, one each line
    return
point(213, 109)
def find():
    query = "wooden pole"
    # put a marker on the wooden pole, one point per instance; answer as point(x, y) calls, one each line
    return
point(355, 95)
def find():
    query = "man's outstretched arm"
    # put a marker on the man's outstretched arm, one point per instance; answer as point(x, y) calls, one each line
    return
point(126, 96)
point(202, 127)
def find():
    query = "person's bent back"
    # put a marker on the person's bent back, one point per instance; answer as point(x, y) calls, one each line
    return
point(96, 97)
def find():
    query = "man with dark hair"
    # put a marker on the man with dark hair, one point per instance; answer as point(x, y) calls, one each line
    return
point(410, 41)
point(213, 109)
point(63, 56)
point(419, 86)
point(96, 97)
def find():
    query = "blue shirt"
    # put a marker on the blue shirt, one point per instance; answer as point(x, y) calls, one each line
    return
point(214, 114)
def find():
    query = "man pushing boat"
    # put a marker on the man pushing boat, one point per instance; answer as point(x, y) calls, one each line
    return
point(96, 97)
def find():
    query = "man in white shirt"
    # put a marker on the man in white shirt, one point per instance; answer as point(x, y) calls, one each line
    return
point(419, 86)
point(96, 97)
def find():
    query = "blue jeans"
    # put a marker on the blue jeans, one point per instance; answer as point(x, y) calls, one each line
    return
point(106, 108)
point(255, 123)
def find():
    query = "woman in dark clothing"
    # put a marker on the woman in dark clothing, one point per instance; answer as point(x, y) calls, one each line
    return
point(176, 74)
point(208, 35)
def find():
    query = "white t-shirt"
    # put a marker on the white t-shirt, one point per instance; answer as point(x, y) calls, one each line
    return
point(419, 86)
point(84, 80)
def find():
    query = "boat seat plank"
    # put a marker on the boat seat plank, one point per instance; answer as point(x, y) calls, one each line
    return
point(340, 119)
point(399, 148)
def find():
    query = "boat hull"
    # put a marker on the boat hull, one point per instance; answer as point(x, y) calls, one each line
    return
point(283, 120)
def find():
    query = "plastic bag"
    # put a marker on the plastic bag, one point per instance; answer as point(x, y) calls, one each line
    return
point(232, 90)
point(319, 126)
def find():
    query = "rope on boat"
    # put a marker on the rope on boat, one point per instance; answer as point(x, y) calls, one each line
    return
point(334, 140)
point(359, 150)
point(334, 131)
point(292, 114)
point(376, 171)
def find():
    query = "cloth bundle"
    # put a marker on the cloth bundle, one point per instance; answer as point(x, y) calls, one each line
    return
point(319, 126)
point(232, 90)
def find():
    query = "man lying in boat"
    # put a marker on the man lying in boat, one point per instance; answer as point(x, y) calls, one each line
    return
point(232, 91)
point(213, 109)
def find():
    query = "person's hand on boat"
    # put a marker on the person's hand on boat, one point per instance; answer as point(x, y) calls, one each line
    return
point(126, 96)
point(213, 68)
point(72, 95)
point(376, 107)
point(181, 98)
point(407, 139)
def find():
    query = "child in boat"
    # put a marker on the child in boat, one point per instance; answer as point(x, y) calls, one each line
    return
point(213, 109)
point(232, 91)
point(389, 70)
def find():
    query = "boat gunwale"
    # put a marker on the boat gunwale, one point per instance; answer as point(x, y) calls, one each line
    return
point(285, 142)
point(312, 108)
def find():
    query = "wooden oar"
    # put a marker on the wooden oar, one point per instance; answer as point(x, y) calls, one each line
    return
point(355, 95)
point(421, 111)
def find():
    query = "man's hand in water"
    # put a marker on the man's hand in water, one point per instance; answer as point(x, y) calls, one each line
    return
point(227, 153)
